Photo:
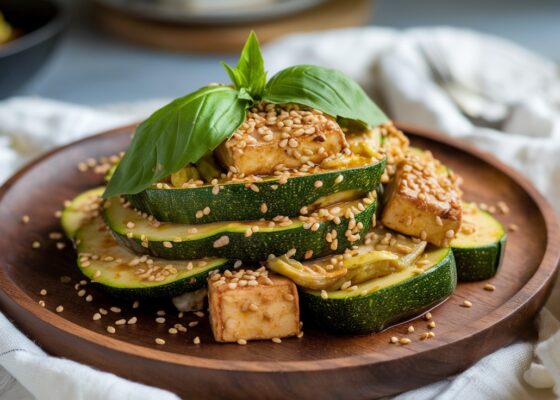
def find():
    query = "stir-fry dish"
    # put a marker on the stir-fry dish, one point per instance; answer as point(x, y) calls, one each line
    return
point(281, 201)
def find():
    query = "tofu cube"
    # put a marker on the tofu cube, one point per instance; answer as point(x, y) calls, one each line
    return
point(423, 200)
point(294, 139)
point(243, 310)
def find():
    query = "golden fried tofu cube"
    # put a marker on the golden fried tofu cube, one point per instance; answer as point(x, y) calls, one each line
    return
point(249, 305)
point(278, 139)
point(422, 201)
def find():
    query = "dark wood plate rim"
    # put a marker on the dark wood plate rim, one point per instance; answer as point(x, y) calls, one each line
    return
point(541, 280)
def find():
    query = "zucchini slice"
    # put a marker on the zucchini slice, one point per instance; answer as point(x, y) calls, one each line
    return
point(242, 202)
point(251, 241)
point(122, 273)
point(376, 304)
point(82, 208)
point(479, 246)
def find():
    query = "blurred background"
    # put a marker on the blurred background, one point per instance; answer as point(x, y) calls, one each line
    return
point(114, 51)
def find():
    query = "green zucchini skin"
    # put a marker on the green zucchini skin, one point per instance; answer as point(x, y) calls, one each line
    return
point(236, 202)
point(255, 248)
point(479, 255)
point(479, 263)
point(376, 311)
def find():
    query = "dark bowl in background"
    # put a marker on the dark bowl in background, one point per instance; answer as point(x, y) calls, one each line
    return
point(42, 22)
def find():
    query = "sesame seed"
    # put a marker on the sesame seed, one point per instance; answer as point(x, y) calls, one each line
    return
point(35, 244)
point(277, 340)
point(160, 341)
point(221, 242)
point(161, 313)
point(120, 322)
point(59, 309)
point(318, 184)
point(103, 311)
point(132, 321)
point(111, 329)
point(196, 340)
point(339, 179)
point(167, 244)
point(394, 339)
point(324, 294)
point(489, 287)
point(428, 316)
point(116, 310)
point(192, 324)
point(172, 331)
point(405, 341)
point(241, 342)
point(43, 292)
point(41, 303)
point(96, 316)
point(136, 304)
point(130, 225)
point(466, 304)
point(410, 329)
point(25, 219)
point(513, 228)
point(82, 293)
point(431, 324)
point(160, 320)
point(264, 208)
point(300, 335)
point(89, 298)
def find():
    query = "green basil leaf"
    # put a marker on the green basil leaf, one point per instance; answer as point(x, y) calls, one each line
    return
point(249, 72)
point(175, 135)
point(325, 89)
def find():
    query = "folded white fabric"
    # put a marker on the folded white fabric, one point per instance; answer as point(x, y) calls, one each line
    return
point(392, 68)
point(387, 63)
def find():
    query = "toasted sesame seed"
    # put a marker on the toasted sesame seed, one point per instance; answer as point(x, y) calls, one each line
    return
point(221, 242)
point(489, 287)
point(59, 309)
point(160, 341)
point(25, 219)
point(410, 329)
point(405, 341)
point(431, 324)
point(466, 304)
point(111, 329)
point(425, 335)
point(277, 340)
point(428, 316)
point(394, 339)
point(241, 342)
point(196, 340)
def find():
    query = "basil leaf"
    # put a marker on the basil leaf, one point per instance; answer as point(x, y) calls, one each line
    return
point(175, 135)
point(249, 72)
point(325, 89)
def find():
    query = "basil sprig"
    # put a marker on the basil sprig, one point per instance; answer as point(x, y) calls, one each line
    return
point(187, 128)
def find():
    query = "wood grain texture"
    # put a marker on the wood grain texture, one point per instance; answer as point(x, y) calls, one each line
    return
point(229, 37)
point(318, 365)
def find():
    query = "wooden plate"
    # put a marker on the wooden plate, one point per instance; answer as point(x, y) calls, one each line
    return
point(316, 366)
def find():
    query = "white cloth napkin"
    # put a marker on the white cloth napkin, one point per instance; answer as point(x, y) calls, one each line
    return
point(388, 65)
